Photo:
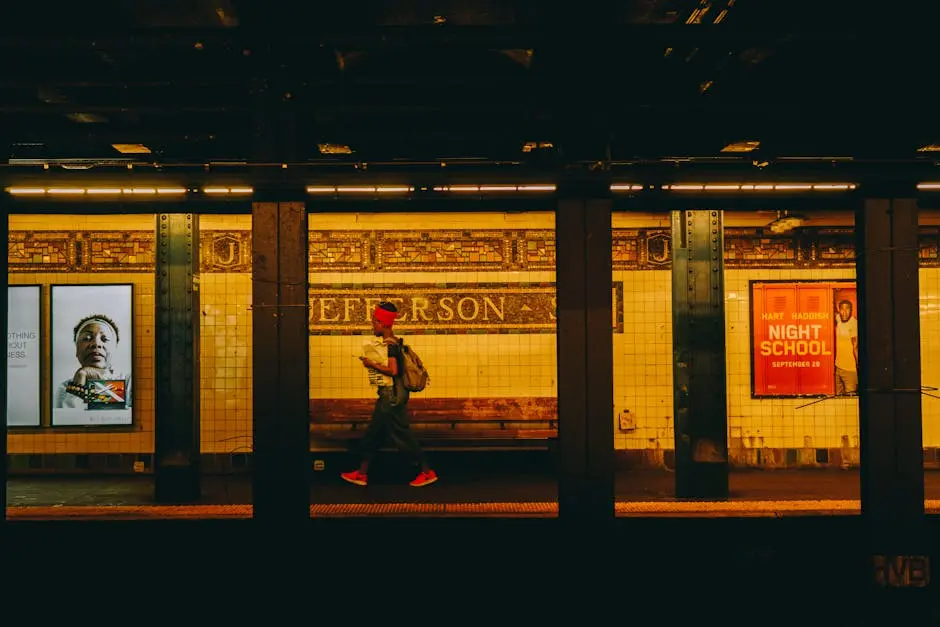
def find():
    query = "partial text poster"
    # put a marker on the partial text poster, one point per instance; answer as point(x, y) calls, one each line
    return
point(23, 356)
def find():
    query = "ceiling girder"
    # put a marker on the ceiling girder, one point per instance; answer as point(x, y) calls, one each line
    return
point(302, 35)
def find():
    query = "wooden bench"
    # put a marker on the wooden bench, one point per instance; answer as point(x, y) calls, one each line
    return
point(477, 423)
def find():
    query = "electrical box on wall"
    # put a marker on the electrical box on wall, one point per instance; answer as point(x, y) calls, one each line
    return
point(627, 421)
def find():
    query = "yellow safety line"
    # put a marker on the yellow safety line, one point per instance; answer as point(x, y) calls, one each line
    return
point(775, 508)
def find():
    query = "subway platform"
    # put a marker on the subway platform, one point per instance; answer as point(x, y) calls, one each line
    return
point(638, 493)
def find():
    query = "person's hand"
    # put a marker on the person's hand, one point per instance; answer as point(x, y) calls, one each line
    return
point(368, 363)
point(83, 374)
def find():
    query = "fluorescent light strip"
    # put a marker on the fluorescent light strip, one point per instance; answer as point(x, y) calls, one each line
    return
point(928, 186)
point(536, 188)
point(625, 187)
point(457, 188)
point(227, 190)
point(94, 191)
point(26, 191)
point(359, 189)
point(834, 186)
point(722, 188)
point(355, 189)
point(759, 187)
point(393, 189)
point(496, 188)
point(405, 189)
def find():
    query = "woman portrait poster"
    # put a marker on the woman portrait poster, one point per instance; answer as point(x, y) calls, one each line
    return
point(92, 339)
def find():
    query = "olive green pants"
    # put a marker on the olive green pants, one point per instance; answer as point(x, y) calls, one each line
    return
point(390, 418)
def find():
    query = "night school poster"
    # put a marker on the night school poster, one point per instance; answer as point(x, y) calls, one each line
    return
point(804, 337)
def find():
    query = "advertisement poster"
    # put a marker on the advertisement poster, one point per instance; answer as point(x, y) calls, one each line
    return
point(804, 338)
point(23, 356)
point(92, 357)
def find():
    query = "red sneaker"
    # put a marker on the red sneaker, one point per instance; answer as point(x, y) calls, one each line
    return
point(355, 477)
point(424, 478)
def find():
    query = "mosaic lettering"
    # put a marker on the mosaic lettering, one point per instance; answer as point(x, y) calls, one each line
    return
point(225, 251)
point(481, 308)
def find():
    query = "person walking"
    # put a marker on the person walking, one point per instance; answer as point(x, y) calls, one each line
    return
point(390, 415)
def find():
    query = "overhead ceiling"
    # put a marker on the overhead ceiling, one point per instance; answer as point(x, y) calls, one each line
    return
point(252, 80)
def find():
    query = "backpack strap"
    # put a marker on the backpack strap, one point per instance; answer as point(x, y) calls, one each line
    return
point(399, 342)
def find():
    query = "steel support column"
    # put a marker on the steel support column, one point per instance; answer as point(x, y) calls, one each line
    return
point(176, 359)
point(281, 363)
point(698, 338)
point(281, 339)
point(890, 419)
point(585, 359)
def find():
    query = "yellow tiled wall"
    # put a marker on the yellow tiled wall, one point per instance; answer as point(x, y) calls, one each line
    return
point(930, 353)
point(139, 437)
point(779, 422)
point(225, 351)
point(643, 370)
point(643, 352)
point(643, 361)
point(225, 345)
point(471, 365)
point(643, 365)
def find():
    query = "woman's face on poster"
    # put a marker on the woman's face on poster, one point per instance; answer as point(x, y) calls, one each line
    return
point(93, 346)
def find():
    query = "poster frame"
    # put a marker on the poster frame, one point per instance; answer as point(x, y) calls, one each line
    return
point(750, 325)
point(43, 358)
point(128, 426)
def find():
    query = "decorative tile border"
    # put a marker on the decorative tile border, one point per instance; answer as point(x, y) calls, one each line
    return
point(751, 248)
point(443, 308)
point(81, 251)
point(642, 249)
point(341, 251)
point(41, 252)
point(225, 251)
point(431, 251)
point(929, 245)
point(116, 251)
point(831, 247)
point(534, 250)
point(437, 250)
